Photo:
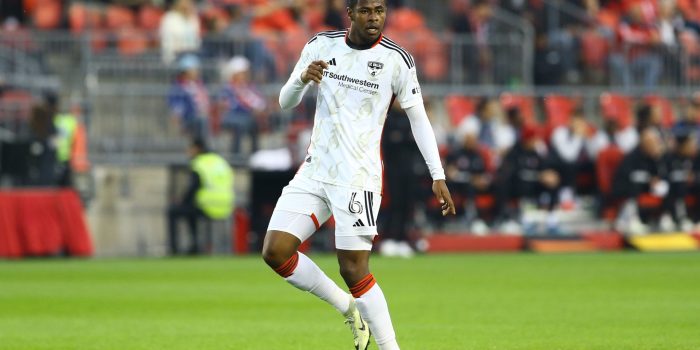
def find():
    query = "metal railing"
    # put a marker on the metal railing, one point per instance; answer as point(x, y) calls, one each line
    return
point(125, 94)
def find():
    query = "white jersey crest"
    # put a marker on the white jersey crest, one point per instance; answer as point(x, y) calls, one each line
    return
point(353, 99)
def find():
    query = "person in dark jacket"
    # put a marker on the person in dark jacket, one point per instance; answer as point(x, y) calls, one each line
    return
point(528, 175)
point(642, 177)
point(468, 170)
point(400, 155)
point(681, 164)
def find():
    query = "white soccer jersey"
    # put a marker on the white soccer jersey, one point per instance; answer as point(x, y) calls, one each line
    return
point(353, 99)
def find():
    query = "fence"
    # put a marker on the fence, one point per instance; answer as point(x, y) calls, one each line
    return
point(122, 83)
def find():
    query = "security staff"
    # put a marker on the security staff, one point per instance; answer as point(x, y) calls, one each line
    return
point(209, 194)
point(66, 130)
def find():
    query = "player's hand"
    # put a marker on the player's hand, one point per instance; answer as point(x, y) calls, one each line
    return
point(443, 195)
point(314, 72)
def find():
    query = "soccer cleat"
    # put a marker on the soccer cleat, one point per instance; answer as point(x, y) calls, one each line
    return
point(360, 329)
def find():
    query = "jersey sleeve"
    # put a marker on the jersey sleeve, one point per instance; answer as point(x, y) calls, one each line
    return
point(308, 55)
point(406, 86)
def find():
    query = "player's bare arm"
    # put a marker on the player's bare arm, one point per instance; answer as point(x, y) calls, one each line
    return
point(314, 72)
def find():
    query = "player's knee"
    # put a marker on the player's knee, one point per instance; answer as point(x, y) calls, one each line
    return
point(353, 271)
point(276, 254)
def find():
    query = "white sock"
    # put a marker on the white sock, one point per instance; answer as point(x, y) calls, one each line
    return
point(373, 308)
point(308, 277)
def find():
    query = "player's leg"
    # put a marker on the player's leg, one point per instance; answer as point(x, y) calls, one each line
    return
point(355, 214)
point(369, 298)
point(287, 229)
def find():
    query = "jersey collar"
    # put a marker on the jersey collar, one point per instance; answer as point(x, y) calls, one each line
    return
point(361, 47)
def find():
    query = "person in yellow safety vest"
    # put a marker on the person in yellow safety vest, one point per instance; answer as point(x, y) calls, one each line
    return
point(66, 129)
point(70, 142)
point(209, 194)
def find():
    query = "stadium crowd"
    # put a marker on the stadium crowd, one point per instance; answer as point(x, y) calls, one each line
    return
point(639, 42)
point(502, 158)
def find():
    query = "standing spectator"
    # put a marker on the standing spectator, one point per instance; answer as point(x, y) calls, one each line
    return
point(335, 16)
point(642, 180)
point(681, 178)
point(42, 157)
point(263, 62)
point(242, 103)
point(188, 99)
point(637, 55)
point(468, 169)
point(476, 21)
point(180, 31)
point(400, 157)
point(209, 195)
point(572, 153)
point(528, 178)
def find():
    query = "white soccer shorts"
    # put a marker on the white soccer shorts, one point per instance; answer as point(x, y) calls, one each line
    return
point(306, 204)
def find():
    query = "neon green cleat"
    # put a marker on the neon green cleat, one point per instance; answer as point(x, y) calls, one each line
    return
point(358, 326)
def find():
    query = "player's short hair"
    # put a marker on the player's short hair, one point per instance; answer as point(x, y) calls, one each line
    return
point(353, 3)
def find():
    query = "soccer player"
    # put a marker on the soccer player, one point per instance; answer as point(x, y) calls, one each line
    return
point(358, 73)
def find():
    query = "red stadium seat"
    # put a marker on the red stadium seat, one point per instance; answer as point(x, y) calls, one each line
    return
point(525, 103)
point(558, 109)
point(131, 42)
point(149, 17)
point(119, 17)
point(459, 107)
point(618, 107)
point(81, 17)
point(47, 14)
point(606, 166)
point(668, 116)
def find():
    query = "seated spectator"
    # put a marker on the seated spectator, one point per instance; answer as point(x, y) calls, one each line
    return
point(691, 118)
point(468, 174)
point(492, 133)
point(209, 195)
point(649, 116)
point(642, 179)
point(180, 31)
point(681, 164)
point(625, 138)
point(528, 178)
point(572, 154)
point(241, 103)
point(188, 99)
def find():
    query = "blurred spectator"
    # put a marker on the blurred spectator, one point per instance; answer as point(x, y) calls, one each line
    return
point(637, 60)
point(626, 138)
point(690, 10)
point(691, 119)
point(335, 16)
point(188, 99)
point(400, 157)
point(474, 20)
point(209, 195)
point(42, 151)
point(66, 126)
point(263, 62)
point(528, 179)
point(642, 179)
point(650, 116)
point(468, 171)
point(180, 30)
point(572, 153)
point(681, 179)
point(493, 133)
point(242, 103)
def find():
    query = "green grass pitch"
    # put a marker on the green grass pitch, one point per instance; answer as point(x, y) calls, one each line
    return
point(510, 301)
